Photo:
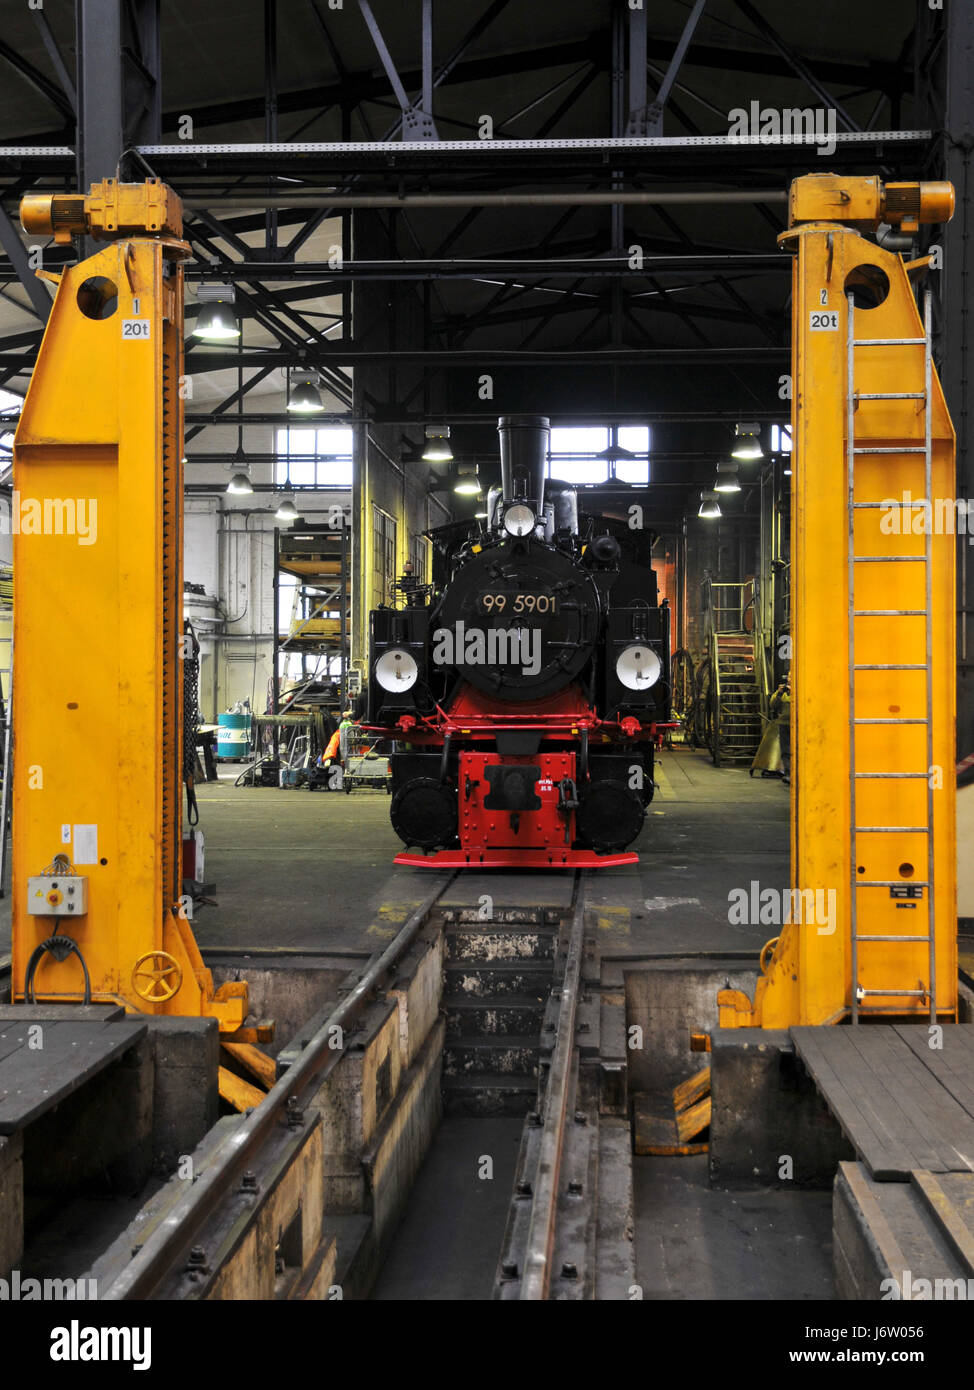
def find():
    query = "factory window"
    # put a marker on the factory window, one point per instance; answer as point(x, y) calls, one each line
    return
point(591, 454)
point(383, 556)
point(314, 458)
point(419, 556)
point(780, 439)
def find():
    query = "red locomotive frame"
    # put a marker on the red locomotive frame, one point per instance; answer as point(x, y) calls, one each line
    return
point(545, 840)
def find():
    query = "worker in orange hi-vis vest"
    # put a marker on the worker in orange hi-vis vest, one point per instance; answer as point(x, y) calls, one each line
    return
point(331, 753)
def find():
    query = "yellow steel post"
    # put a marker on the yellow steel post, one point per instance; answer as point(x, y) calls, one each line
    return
point(98, 689)
point(872, 810)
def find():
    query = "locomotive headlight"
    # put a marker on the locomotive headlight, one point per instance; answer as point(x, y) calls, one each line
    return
point(396, 670)
point(519, 520)
point(638, 667)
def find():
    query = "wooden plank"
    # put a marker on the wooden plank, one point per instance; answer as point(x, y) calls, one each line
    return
point(948, 1126)
point(879, 1227)
point(655, 1132)
point(690, 1091)
point(34, 1080)
point(257, 1062)
point(862, 1124)
point(877, 1066)
point(237, 1092)
point(60, 1013)
point(947, 1217)
point(901, 1089)
point(867, 1131)
point(952, 1064)
point(11, 1039)
point(690, 1123)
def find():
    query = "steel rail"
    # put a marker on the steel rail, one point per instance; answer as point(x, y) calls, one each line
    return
point(541, 1230)
point(164, 1252)
point(357, 149)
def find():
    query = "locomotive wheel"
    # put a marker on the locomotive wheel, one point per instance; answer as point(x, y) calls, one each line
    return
point(610, 815)
point(424, 813)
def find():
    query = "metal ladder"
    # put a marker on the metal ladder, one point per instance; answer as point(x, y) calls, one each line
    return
point(926, 449)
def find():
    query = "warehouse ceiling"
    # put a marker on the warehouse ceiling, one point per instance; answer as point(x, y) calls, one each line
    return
point(685, 343)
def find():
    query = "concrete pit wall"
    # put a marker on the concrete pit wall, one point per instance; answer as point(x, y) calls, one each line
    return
point(320, 1213)
point(670, 1000)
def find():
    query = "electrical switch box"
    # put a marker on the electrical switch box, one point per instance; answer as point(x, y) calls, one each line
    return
point(61, 895)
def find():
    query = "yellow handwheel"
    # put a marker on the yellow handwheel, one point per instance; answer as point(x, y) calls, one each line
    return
point(767, 951)
point(156, 976)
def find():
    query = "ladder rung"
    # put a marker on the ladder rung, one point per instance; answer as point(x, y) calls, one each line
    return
point(891, 721)
point(889, 342)
point(887, 559)
point(890, 449)
point(889, 612)
point(891, 883)
point(892, 775)
point(892, 829)
point(898, 993)
point(898, 667)
point(889, 396)
point(891, 938)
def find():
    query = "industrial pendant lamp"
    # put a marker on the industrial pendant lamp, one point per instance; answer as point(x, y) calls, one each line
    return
point(467, 483)
point(286, 511)
point(216, 321)
point(437, 448)
point(305, 397)
point(240, 482)
point(748, 444)
point(727, 479)
point(709, 506)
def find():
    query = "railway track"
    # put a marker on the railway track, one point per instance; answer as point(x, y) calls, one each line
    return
point(190, 1248)
point(569, 1229)
point(249, 1221)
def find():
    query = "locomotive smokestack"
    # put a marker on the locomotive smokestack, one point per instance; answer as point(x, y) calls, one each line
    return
point(524, 455)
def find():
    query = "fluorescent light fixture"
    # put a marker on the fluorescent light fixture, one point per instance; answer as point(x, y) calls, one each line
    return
point(437, 448)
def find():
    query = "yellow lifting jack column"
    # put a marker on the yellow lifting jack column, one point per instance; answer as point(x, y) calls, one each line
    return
point(873, 929)
point(98, 689)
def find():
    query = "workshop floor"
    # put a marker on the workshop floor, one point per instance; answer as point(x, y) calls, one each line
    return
point(295, 868)
point(698, 1242)
point(314, 870)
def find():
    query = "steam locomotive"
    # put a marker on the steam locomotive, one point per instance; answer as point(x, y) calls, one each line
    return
point(528, 686)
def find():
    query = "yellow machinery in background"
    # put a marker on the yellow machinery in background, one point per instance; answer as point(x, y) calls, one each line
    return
point(98, 689)
point(874, 928)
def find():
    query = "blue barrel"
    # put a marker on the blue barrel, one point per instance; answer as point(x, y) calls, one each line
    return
point(232, 735)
